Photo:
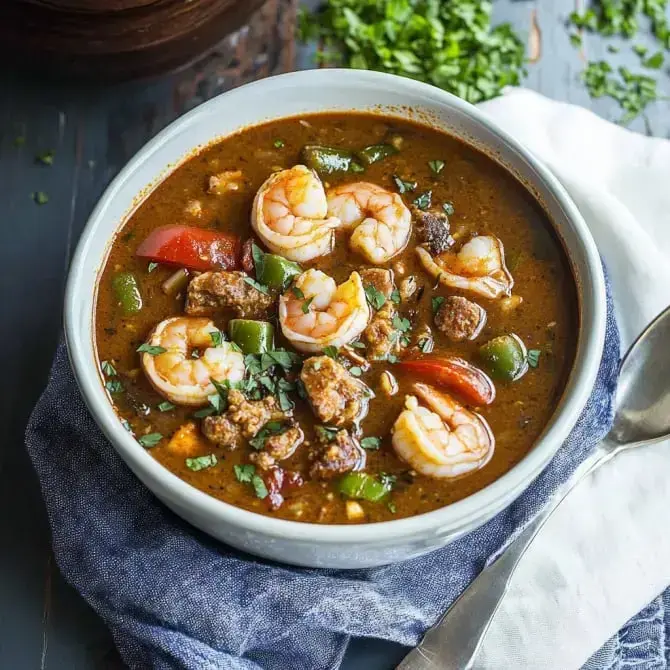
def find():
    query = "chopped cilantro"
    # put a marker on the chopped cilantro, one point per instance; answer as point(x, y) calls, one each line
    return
point(150, 349)
point(114, 386)
point(46, 158)
point(436, 166)
point(425, 344)
point(375, 298)
point(401, 324)
point(259, 287)
point(436, 303)
point(108, 369)
point(150, 440)
point(391, 507)
point(395, 296)
point(244, 473)
point(387, 480)
point(402, 185)
point(152, 266)
point(358, 345)
point(330, 351)
point(259, 487)
point(278, 144)
point(217, 337)
point(306, 304)
point(423, 201)
point(356, 371)
point(165, 406)
point(325, 434)
point(533, 357)
point(298, 293)
point(269, 429)
point(371, 443)
point(448, 208)
point(202, 413)
point(201, 462)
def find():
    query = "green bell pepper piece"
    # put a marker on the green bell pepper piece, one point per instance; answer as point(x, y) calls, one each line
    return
point(127, 292)
point(376, 152)
point(505, 357)
point(329, 160)
point(253, 337)
point(361, 486)
point(276, 271)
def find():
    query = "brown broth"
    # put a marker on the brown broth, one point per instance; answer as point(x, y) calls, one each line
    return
point(486, 199)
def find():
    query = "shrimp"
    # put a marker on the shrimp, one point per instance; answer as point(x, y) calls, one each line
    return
point(478, 267)
point(382, 223)
point(443, 440)
point(290, 214)
point(179, 377)
point(316, 313)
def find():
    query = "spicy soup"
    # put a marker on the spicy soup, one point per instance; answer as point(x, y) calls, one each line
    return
point(337, 318)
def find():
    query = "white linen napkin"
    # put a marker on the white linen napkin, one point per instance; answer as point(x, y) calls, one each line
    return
point(606, 552)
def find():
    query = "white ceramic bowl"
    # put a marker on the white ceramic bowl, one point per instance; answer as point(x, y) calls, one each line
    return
point(287, 95)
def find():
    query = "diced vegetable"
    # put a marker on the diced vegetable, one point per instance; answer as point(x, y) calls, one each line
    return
point(127, 292)
point(362, 486)
point(505, 357)
point(354, 511)
point(276, 271)
point(194, 248)
point(329, 160)
point(376, 152)
point(455, 374)
point(253, 337)
point(175, 282)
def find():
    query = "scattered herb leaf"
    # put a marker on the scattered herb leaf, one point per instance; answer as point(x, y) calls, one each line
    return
point(395, 296)
point(201, 462)
point(305, 305)
point(387, 480)
point(436, 166)
point(217, 338)
point(114, 386)
point(325, 434)
point(402, 185)
point(371, 443)
point(533, 357)
point(150, 440)
point(298, 293)
point(448, 208)
point(202, 413)
point(108, 369)
point(331, 351)
point(278, 144)
point(165, 406)
point(356, 371)
point(152, 266)
point(401, 324)
point(150, 349)
point(258, 286)
point(259, 487)
point(375, 298)
point(259, 259)
point(244, 473)
point(436, 303)
point(423, 201)
point(358, 345)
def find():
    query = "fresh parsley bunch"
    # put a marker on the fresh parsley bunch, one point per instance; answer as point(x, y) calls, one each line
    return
point(449, 44)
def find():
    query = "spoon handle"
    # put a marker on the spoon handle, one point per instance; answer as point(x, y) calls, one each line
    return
point(454, 641)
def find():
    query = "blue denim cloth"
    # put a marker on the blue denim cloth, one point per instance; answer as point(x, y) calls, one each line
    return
point(174, 598)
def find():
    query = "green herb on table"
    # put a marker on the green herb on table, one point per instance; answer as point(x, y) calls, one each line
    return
point(150, 440)
point(201, 462)
point(40, 197)
point(654, 62)
point(150, 349)
point(46, 158)
point(452, 45)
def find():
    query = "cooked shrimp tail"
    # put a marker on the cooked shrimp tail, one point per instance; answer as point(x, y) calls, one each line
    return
point(290, 215)
point(316, 313)
point(443, 439)
point(380, 220)
point(176, 374)
point(478, 267)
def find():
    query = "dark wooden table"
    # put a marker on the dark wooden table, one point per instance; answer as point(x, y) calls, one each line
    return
point(93, 130)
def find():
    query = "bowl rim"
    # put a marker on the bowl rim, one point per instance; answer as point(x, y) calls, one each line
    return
point(445, 519)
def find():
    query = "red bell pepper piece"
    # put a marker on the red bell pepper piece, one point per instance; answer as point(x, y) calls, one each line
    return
point(193, 248)
point(455, 374)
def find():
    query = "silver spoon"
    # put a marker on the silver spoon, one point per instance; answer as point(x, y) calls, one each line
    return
point(641, 417)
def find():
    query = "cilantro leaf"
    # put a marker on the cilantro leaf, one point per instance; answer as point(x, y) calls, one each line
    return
point(325, 434)
point(436, 303)
point(402, 185)
point(395, 296)
point(401, 324)
point(298, 293)
point(375, 298)
point(330, 351)
point(150, 349)
point(152, 266)
point(356, 371)
point(259, 487)
point(108, 369)
point(423, 201)
point(201, 462)
point(150, 440)
point(114, 386)
point(533, 357)
point(165, 406)
point(217, 338)
point(436, 166)
point(259, 259)
point(448, 208)
point(244, 473)
point(278, 144)
point(371, 443)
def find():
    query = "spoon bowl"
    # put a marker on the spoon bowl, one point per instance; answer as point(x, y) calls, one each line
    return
point(642, 399)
